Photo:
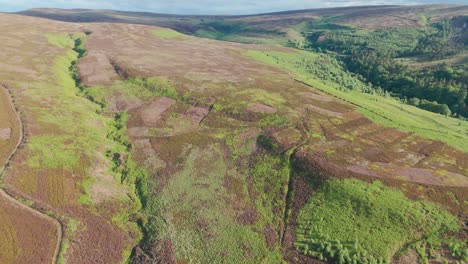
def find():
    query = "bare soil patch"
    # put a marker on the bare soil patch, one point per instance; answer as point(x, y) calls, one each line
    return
point(271, 236)
point(96, 69)
point(411, 174)
point(410, 257)
point(5, 133)
point(136, 132)
point(118, 103)
point(249, 216)
point(195, 115)
point(148, 156)
point(104, 185)
point(317, 96)
point(375, 154)
point(152, 113)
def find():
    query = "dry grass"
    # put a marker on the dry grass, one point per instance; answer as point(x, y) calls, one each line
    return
point(9, 127)
point(9, 245)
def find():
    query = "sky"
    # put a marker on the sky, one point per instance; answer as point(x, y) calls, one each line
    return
point(218, 7)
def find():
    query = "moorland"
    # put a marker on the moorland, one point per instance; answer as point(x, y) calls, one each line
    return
point(314, 136)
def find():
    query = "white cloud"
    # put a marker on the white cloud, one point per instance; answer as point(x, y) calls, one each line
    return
point(204, 6)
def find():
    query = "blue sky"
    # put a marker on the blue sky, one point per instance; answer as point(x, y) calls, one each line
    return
point(205, 6)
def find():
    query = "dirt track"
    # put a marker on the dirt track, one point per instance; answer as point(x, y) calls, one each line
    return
point(15, 202)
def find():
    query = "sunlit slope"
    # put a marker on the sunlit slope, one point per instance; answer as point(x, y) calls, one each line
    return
point(61, 169)
point(154, 146)
point(215, 128)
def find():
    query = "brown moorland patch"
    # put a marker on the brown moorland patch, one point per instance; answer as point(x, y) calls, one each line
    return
point(26, 237)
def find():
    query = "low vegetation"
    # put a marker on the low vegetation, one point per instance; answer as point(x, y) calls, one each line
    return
point(80, 142)
point(350, 221)
point(323, 72)
point(194, 166)
point(9, 242)
point(240, 32)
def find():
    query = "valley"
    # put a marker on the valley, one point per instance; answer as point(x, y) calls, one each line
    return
point(148, 138)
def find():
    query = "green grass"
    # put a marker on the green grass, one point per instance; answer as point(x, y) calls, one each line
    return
point(84, 186)
point(349, 220)
point(270, 175)
point(184, 204)
point(72, 227)
point(63, 156)
point(236, 144)
point(141, 88)
point(71, 116)
point(262, 96)
point(60, 40)
point(383, 110)
point(241, 33)
point(148, 88)
point(81, 134)
point(274, 120)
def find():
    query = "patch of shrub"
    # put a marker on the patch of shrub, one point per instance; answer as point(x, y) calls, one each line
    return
point(350, 221)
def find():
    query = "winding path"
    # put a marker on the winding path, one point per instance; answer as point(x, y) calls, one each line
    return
point(10, 198)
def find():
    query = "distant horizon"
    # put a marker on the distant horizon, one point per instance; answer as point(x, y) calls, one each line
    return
point(227, 14)
point(209, 7)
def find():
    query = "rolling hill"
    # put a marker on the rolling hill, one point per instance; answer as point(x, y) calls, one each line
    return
point(150, 138)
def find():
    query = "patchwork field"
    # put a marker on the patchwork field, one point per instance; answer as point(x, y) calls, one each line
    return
point(151, 146)
point(27, 235)
point(196, 106)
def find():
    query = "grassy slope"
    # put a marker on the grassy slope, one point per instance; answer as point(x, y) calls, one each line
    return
point(351, 220)
point(209, 162)
point(373, 236)
point(72, 143)
point(8, 120)
point(182, 226)
point(382, 110)
point(189, 204)
point(195, 200)
point(9, 242)
point(82, 133)
point(178, 211)
point(167, 33)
